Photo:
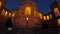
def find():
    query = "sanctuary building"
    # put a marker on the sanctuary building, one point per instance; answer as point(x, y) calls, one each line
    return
point(27, 15)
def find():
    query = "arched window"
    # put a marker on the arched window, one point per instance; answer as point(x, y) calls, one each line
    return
point(56, 11)
point(9, 14)
point(38, 14)
point(0, 3)
point(51, 16)
point(44, 17)
point(28, 10)
point(41, 15)
point(58, 21)
point(6, 13)
point(13, 14)
point(3, 12)
point(35, 13)
point(48, 17)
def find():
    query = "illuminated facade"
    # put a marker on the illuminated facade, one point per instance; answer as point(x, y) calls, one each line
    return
point(27, 15)
point(4, 13)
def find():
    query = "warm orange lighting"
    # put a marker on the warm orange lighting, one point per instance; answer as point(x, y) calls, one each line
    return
point(6, 13)
point(35, 13)
point(0, 3)
point(3, 12)
point(38, 14)
point(56, 10)
point(59, 13)
point(58, 21)
point(13, 14)
point(51, 16)
point(41, 15)
point(44, 17)
point(9, 14)
point(47, 17)
point(28, 10)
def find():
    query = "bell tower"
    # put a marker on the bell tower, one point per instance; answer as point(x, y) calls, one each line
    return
point(55, 8)
point(55, 11)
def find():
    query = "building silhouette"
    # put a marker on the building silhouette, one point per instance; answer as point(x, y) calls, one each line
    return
point(27, 15)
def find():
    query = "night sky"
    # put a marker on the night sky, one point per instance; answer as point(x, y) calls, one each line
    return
point(42, 5)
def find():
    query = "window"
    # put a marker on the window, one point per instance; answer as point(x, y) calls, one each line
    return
point(28, 10)
point(47, 17)
point(6, 13)
point(51, 16)
point(3, 12)
point(9, 14)
point(0, 3)
point(58, 21)
point(35, 13)
point(40, 15)
point(56, 11)
point(13, 14)
point(44, 17)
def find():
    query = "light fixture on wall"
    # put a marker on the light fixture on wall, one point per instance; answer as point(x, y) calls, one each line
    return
point(27, 18)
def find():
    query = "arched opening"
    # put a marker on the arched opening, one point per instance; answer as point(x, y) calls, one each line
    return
point(58, 21)
point(0, 3)
point(44, 25)
point(28, 10)
point(44, 17)
point(56, 11)
point(8, 22)
point(48, 17)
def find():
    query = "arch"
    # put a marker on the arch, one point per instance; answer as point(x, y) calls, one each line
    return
point(8, 22)
point(58, 21)
point(44, 25)
point(28, 10)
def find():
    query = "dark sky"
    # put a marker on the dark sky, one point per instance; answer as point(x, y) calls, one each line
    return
point(42, 5)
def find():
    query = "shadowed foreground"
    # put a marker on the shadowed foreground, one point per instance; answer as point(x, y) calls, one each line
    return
point(4, 30)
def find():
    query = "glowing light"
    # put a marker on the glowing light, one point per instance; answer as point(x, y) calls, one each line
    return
point(35, 13)
point(47, 17)
point(3, 12)
point(9, 28)
point(44, 17)
point(28, 11)
point(58, 21)
point(50, 16)
point(6, 13)
point(40, 15)
point(0, 3)
point(27, 18)
point(13, 14)
point(9, 14)
point(56, 10)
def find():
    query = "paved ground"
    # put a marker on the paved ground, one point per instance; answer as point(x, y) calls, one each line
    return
point(4, 30)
